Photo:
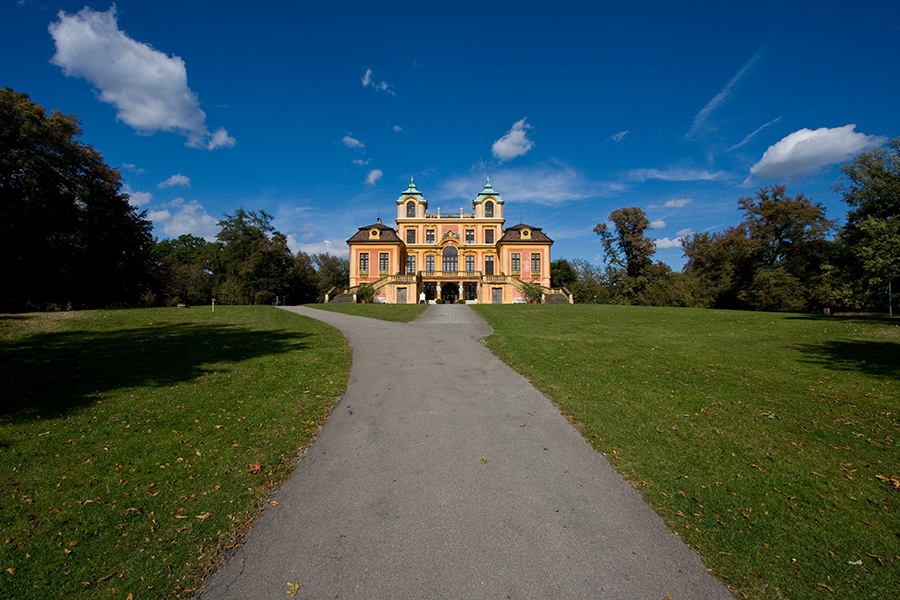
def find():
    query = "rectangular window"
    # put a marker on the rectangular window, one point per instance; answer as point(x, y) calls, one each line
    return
point(364, 262)
point(383, 262)
point(429, 263)
point(410, 265)
point(470, 236)
point(429, 236)
point(488, 265)
point(470, 264)
point(515, 262)
point(535, 262)
point(488, 236)
point(410, 236)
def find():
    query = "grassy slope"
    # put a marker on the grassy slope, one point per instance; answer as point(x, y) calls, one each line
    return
point(768, 442)
point(149, 440)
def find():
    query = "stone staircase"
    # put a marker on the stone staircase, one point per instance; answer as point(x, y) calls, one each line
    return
point(555, 298)
point(345, 298)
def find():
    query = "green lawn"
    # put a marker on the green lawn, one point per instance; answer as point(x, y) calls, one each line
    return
point(136, 444)
point(768, 442)
point(386, 312)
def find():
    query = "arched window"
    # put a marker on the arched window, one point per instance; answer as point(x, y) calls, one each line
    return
point(450, 258)
point(489, 209)
point(410, 209)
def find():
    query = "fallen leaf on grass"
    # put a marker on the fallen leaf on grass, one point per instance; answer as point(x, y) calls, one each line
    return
point(205, 515)
point(254, 468)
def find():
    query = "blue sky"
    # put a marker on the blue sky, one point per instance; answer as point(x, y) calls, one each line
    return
point(319, 113)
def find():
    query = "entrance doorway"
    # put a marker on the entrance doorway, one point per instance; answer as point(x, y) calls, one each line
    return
point(449, 292)
point(496, 295)
point(401, 295)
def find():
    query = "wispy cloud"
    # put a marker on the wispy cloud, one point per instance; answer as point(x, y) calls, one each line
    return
point(514, 142)
point(752, 135)
point(381, 86)
point(352, 142)
point(547, 184)
point(658, 224)
point(806, 151)
point(618, 136)
point(148, 88)
point(175, 180)
point(702, 122)
point(677, 174)
point(373, 176)
point(361, 162)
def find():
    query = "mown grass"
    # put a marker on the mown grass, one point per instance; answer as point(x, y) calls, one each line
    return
point(135, 445)
point(403, 313)
point(768, 442)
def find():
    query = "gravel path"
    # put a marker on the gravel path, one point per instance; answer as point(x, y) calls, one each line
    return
point(444, 474)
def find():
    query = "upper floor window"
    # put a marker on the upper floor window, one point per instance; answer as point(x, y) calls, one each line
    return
point(410, 209)
point(450, 258)
point(470, 263)
point(488, 265)
point(364, 262)
point(515, 262)
point(535, 262)
point(410, 236)
point(470, 236)
point(489, 209)
point(410, 265)
point(383, 262)
point(429, 236)
point(488, 236)
point(429, 263)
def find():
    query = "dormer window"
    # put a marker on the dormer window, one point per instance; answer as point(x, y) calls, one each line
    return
point(373, 233)
point(411, 209)
point(489, 209)
point(526, 233)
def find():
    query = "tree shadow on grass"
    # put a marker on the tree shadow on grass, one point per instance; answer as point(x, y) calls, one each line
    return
point(879, 359)
point(52, 374)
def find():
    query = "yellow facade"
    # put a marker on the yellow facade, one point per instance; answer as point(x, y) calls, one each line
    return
point(452, 256)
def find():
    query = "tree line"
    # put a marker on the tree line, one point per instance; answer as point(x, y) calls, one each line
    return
point(784, 255)
point(70, 238)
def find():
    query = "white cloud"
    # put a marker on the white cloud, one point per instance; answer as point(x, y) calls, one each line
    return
point(136, 198)
point(179, 217)
point(373, 176)
point(398, 129)
point(683, 233)
point(618, 137)
point(352, 142)
point(148, 88)
point(514, 143)
point(701, 121)
point(677, 174)
point(361, 162)
point(806, 151)
point(659, 224)
point(174, 180)
point(381, 86)
point(666, 243)
point(680, 203)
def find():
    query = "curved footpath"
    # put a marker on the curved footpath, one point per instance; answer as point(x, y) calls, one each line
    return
point(444, 474)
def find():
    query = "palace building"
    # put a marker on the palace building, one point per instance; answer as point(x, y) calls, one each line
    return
point(452, 255)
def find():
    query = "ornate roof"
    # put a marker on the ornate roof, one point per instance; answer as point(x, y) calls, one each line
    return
point(414, 192)
point(488, 191)
point(377, 232)
point(524, 233)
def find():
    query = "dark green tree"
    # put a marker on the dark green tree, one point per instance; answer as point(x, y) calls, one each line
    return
point(68, 236)
point(331, 272)
point(871, 237)
point(562, 274)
